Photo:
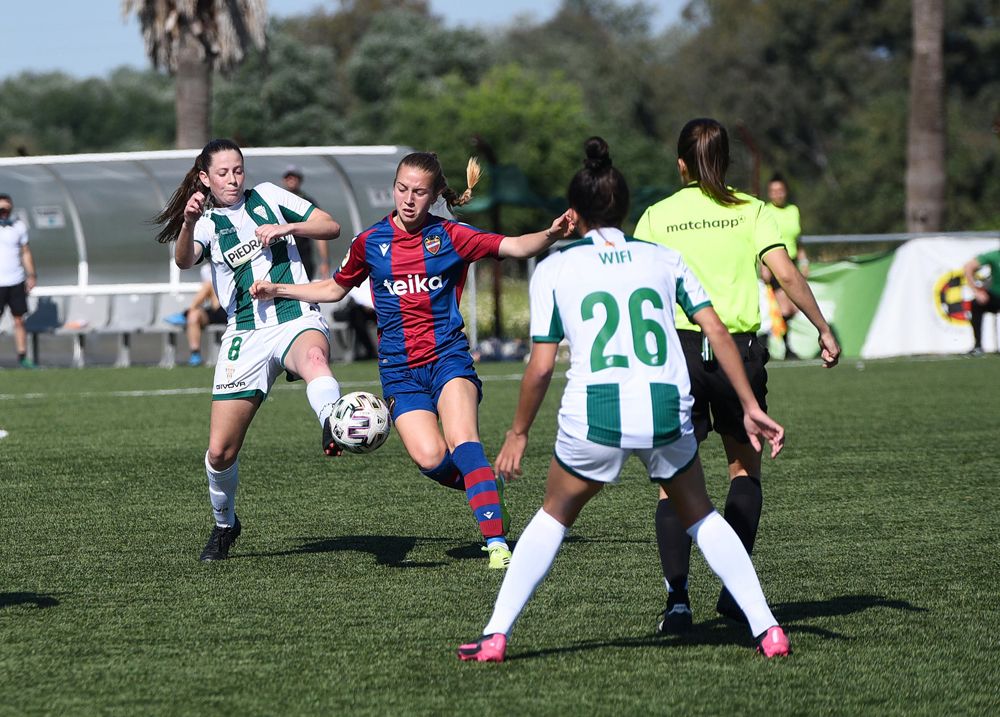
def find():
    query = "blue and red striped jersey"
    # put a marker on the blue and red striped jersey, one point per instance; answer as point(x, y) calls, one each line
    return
point(417, 281)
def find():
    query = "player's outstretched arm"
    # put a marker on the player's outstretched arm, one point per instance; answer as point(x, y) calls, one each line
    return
point(521, 247)
point(797, 289)
point(534, 384)
point(315, 292)
point(759, 426)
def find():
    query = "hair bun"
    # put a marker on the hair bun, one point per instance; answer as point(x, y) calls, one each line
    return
point(597, 154)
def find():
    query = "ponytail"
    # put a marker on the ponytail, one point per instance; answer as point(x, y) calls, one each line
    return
point(429, 162)
point(704, 146)
point(172, 215)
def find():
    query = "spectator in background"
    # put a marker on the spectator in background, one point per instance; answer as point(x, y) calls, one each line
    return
point(986, 299)
point(17, 274)
point(205, 309)
point(293, 179)
point(786, 215)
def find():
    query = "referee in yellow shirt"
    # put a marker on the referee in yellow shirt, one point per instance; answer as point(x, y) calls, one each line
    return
point(722, 235)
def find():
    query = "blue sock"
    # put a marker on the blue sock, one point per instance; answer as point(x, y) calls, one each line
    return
point(446, 473)
point(480, 488)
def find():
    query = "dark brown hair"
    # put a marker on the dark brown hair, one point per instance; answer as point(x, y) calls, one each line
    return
point(429, 162)
point(704, 147)
point(599, 192)
point(172, 216)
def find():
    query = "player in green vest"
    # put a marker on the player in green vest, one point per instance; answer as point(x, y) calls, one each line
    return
point(786, 216)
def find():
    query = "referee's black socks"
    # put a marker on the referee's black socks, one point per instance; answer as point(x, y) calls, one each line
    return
point(674, 544)
point(743, 506)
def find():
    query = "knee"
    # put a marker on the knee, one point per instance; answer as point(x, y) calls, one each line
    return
point(222, 456)
point(428, 457)
point(317, 357)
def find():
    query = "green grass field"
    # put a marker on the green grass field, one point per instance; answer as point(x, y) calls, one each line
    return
point(356, 578)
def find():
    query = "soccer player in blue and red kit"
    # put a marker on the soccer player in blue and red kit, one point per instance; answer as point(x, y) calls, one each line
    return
point(418, 263)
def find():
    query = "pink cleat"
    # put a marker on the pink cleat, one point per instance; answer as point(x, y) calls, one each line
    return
point(488, 648)
point(774, 643)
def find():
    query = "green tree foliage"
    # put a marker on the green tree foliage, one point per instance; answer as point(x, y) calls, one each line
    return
point(536, 120)
point(403, 52)
point(820, 88)
point(290, 96)
point(53, 113)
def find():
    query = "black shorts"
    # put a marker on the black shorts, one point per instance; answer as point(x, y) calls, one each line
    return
point(716, 405)
point(16, 297)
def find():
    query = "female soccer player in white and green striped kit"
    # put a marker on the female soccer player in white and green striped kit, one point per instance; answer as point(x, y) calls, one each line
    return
point(248, 235)
point(612, 297)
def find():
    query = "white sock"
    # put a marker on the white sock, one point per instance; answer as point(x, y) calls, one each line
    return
point(728, 559)
point(222, 492)
point(322, 393)
point(533, 556)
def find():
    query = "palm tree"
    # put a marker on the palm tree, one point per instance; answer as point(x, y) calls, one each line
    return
point(191, 39)
point(925, 152)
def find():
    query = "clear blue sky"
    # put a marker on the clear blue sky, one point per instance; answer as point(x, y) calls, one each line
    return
point(88, 38)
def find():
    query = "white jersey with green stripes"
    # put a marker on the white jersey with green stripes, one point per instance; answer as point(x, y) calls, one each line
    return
point(227, 236)
point(612, 298)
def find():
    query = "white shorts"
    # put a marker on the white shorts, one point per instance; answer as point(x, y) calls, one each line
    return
point(592, 461)
point(250, 360)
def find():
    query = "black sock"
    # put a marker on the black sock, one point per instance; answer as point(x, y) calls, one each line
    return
point(674, 544)
point(743, 506)
point(21, 356)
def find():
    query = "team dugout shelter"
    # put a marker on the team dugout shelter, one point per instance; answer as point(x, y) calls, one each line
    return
point(89, 222)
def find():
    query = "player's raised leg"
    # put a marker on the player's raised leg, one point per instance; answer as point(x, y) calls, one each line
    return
point(229, 423)
point(309, 357)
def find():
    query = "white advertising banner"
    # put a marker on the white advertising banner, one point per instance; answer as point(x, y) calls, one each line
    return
point(925, 302)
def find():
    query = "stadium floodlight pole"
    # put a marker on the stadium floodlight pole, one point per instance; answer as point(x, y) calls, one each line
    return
point(484, 149)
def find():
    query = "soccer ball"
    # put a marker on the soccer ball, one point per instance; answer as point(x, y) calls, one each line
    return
point(360, 422)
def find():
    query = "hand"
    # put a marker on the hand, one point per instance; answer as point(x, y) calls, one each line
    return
point(194, 208)
point(263, 290)
point(829, 349)
point(271, 232)
point(562, 226)
point(759, 425)
point(29, 284)
point(508, 462)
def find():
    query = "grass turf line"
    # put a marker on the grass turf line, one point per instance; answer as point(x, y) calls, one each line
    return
point(356, 578)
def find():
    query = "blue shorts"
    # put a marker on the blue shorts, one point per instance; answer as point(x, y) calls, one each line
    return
point(408, 389)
